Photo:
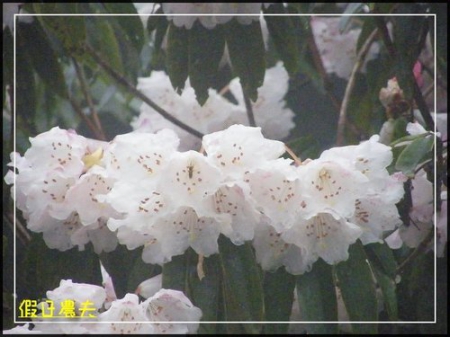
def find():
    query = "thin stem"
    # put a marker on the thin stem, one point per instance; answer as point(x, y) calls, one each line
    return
point(84, 89)
point(249, 108)
point(83, 116)
point(351, 83)
point(120, 79)
point(297, 160)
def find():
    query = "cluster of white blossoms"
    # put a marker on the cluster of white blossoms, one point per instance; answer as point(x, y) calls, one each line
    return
point(218, 113)
point(151, 195)
point(338, 48)
point(166, 312)
point(211, 14)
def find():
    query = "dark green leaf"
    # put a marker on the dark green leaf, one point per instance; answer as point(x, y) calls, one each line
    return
point(388, 287)
point(278, 298)
point(206, 292)
point(119, 264)
point(358, 289)
point(101, 37)
point(317, 298)
point(131, 25)
point(177, 58)
point(414, 154)
point(42, 57)
point(44, 268)
point(383, 257)
point(242, 284)
point(69, 30)
point(175, 274)
point(25, 85)
point(247, 54)
point(285, 39)
point(206, 47)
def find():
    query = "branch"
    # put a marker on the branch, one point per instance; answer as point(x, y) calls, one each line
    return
point(351, 83)
point(120, 79)
point(84, 89)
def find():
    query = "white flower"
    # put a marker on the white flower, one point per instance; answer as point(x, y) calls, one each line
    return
point(149, 287)
point(239, 149)
point(127, 310)
point(275, 189)
point(212, 116)
point(326, 235)
point(172, 305)
point(331, 185)
point(273, 252)
point(337, 49)
point(271, 114)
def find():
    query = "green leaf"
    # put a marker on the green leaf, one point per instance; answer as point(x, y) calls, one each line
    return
point(414, 154)
point(177, 57)
point(160, 24)
point(206, 292)
point(42, 57)
point(44, 268)
point(247, 55)
point(69, 30)
point(242, 284)
point(206, 47)
point(278, 298)
point(388, 289)
point(317, 298)
point(284, 37)
point(358, 289)
point(131, 25)
point(381, 255)
point(409, 138)
point(101, 37)
point(25, 85)
point(119, 264)
point(175, 274)
point(345, 20)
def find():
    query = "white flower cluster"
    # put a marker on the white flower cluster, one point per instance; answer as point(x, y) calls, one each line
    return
point(123, 316)
point(338, 49)
point(217, 113)
point(211, 14)
point(152, 195)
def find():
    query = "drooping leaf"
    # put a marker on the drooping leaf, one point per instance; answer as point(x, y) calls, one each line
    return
point(317, 298)
point(388, 289)
point(101, 37)
point(247, 55)
point(358, 289)
point(175, 274)
point(177, 57)
point(278, 298)
point(42, 56)
point(282, 32)
point(131, 25)
point(206, 48)
point(381, 255)
point(70, 30)
point(119, 264)
point(242, 284)
point(413, 154)
point(206, 292)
